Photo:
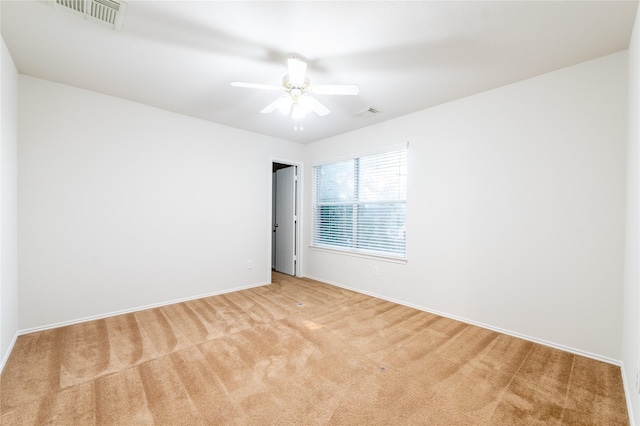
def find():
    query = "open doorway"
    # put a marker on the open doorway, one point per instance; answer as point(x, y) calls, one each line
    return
point(284, 210)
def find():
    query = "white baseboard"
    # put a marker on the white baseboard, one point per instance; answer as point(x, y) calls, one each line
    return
point(3, 361)
point(479, 324)
point(137, 309)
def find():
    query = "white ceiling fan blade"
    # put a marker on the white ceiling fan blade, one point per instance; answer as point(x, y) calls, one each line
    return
point(271, 107)
point(255, 85)
point(283, 103)
point(319, 108)
point(297, 70)
point(336, 89)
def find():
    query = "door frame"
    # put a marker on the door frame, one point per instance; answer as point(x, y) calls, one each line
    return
point(299, 211)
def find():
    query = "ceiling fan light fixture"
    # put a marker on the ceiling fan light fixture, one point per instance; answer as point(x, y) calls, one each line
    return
point(284, 104)
point(306, 103)
point(298, 113)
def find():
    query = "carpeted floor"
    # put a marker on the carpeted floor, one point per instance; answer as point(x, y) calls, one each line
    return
point(299, 352)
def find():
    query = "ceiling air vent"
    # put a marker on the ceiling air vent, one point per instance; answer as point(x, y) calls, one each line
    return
point(108, 12)
point(367, 112)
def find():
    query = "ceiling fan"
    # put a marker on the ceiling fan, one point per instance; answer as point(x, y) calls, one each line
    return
point(298, 99)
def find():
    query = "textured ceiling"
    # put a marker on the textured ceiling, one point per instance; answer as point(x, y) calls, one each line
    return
point(405, 56)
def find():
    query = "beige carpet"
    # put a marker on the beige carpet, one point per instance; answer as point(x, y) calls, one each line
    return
point(299, 352)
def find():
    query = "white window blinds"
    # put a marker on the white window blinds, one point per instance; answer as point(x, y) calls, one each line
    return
point(359, 204)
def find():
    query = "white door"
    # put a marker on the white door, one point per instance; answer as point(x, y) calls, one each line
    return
point(285, 220)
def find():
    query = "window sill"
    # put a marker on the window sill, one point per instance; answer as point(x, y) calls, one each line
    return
point(402, 261)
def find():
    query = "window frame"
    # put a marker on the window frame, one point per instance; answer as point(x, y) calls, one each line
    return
point(353, 250)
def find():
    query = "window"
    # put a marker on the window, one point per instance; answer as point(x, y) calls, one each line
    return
point(359, 205)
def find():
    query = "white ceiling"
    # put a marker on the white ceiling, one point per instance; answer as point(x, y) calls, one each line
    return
point(405, 56)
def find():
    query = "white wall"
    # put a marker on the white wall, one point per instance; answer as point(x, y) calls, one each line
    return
point(124, 206)
point(631, 327)
point(8, 204)
point(515, 208)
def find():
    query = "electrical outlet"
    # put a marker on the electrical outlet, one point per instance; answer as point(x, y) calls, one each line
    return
point(376, 272)
point(249, 264)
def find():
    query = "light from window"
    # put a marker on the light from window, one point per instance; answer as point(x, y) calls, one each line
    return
point(359, 205)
